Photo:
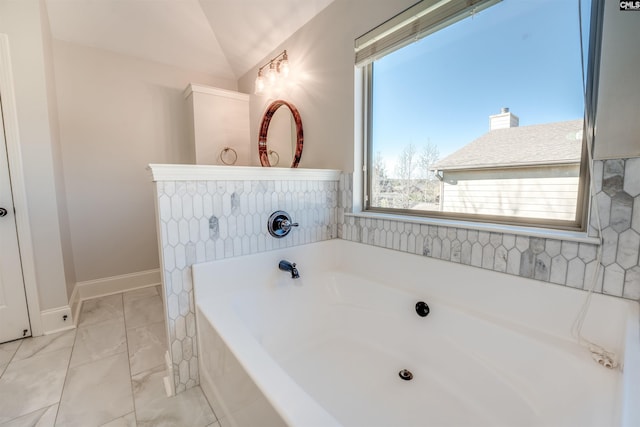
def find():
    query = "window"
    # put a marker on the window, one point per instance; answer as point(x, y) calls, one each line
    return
point(478, 112)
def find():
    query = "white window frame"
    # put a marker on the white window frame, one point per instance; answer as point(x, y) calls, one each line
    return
point(393, 35)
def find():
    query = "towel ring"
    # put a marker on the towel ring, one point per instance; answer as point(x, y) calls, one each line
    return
point(225, 151)
point(277, 156)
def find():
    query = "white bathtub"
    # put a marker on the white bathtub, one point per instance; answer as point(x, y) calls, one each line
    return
point(326, 349)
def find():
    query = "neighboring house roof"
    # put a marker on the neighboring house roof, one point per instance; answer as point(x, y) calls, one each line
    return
point(544, 144)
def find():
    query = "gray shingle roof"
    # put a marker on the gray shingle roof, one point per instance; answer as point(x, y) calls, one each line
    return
point(548, 143)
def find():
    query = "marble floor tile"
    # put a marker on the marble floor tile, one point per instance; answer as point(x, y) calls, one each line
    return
point(147, 346)
point(33, 383)
point(96, 393)
point(87, 376)
point(100, 309)
point(154, 408)
point(45, 344)
point(7, 351)
point(143, 311)
point(99, 340)
point(45, 417)
point(128, 420)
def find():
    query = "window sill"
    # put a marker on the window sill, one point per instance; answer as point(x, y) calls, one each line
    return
point(545, 233)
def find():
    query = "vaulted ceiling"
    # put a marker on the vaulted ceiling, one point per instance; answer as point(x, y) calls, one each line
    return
point(225, 38)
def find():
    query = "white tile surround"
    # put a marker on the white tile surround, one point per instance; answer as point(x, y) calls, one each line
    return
point(563, 262)
point(204, 219)
point(207, 213)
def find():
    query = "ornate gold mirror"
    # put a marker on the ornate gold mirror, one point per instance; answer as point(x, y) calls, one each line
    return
point(285, 141)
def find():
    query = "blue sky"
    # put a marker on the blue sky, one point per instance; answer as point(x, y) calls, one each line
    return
point(520, 54)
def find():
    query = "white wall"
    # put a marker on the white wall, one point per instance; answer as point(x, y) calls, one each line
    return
point(117, 115)
point(322, 74)
point(56, 151)
point(617, 125)
point(21, 21)
point(322, 64)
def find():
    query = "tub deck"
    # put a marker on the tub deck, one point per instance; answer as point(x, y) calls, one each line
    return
point(339, 336)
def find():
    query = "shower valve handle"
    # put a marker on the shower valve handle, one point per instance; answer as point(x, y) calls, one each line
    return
point(285, 225)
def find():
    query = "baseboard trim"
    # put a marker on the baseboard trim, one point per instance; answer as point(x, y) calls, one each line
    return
point(75, 304)
point(116, 284)
point(111, 285)
point(54, 320)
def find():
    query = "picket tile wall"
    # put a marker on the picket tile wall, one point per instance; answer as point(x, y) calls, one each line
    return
point(202, 221)
point(563, 262)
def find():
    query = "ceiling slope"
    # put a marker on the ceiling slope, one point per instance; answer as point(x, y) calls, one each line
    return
point(221, 37)
point(248, 30)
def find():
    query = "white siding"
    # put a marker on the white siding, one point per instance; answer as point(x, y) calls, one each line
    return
point(549, 193)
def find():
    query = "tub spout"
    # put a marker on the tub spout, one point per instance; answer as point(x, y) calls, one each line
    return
point(287, 266)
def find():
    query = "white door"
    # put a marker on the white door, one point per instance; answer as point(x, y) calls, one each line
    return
point(14, 317)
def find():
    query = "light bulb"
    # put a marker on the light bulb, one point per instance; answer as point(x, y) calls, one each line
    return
point(272, 76)
point(259, 86)
point(283, 67)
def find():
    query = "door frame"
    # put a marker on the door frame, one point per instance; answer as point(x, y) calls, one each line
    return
point(18, 188)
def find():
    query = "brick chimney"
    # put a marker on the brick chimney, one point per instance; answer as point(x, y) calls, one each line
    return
point(504, 120)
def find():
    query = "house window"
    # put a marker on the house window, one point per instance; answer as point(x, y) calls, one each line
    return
point(481, 112)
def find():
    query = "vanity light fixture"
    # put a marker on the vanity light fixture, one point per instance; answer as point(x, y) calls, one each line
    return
point(278, 69)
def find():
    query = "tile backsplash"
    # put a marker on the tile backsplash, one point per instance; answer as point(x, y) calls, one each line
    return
point(568, 263)
point(202, 221)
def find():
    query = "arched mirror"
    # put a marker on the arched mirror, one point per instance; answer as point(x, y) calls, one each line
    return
point(281, 138)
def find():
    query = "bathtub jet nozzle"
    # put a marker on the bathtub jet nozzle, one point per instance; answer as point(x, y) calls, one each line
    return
point(405, 374)
point(422, 309)
point(291, 267)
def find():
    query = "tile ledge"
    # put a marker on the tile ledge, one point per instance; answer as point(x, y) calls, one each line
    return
point(161, 172)
point(546, 233)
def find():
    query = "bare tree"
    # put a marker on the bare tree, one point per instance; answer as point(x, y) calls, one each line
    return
point(379, 181)
point(406, 171)
point(406, 166)
point(379, 167)
point(429, 155)
point(413, 184)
